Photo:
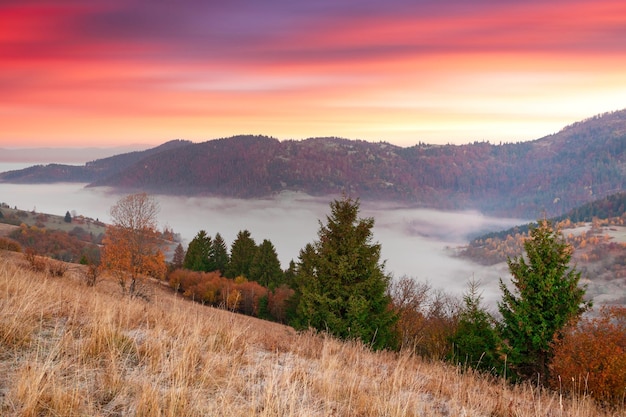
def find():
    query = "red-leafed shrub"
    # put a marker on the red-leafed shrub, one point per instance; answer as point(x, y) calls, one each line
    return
point(591, 357)
point(213, 289)
point(278, 303)
point(10, 245)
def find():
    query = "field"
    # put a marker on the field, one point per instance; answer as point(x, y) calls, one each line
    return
point(67, 349)
point(50, 221)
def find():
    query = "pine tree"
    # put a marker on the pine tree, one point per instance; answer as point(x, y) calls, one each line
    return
point(242, 254)
point(198, 253)
point(68, 217)
point(289, 275)
point(475, 341)
point(545, 299)
point(265, 267)
point(219, 254)
point(341, 283)
point(179, 257)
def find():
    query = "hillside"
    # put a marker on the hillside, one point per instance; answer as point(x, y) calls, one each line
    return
point(597, 233)
point(551, 175)
point(91, 171)
point(69, 349)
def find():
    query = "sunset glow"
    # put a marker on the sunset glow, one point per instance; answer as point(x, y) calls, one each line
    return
point(76, 73)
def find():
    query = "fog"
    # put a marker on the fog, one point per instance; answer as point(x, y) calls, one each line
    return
point(415, 242)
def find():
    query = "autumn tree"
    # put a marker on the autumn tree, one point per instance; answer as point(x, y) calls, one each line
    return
point(242, 254)
point(198, 256)
point(342, 287)
point(545, 298)
point(265, 267)
point(131, 248)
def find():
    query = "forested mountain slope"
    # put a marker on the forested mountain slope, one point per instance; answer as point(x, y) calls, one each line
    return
point(548, 176)
point(91, 171)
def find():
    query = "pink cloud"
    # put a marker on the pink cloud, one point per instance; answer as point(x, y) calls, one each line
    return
point(294, 68)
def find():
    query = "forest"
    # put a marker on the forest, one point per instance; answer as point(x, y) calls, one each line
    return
point(551, 175)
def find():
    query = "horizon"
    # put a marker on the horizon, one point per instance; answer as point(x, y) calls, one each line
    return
point(110, 73)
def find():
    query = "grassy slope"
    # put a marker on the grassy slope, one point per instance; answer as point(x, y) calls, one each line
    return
point(52, 221)
point(67, 349)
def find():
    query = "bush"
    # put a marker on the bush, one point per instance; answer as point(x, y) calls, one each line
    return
point(10, 245)
point(57, 268)
point(37, 263)
point(239, 294)
point(593, 355)
point(427, 318)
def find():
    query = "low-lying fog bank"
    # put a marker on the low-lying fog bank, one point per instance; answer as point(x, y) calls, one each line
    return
point(415, 242)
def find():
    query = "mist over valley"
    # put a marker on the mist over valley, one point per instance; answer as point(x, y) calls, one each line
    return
point(427, 200)
point(416, 242)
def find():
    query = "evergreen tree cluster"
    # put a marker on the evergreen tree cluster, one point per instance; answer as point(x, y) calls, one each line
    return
point(338, 285)
point(258, 263)
point(544, 299)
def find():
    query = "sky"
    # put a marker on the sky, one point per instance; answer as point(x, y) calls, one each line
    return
point(118, 72)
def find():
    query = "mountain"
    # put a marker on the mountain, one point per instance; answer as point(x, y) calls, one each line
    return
point(89, 172)
point(548, 176)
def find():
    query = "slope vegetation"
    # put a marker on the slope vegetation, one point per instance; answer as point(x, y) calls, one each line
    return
point(69, 349)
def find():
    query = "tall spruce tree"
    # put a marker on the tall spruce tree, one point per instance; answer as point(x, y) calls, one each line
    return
point(242, 254)
point(341, 284)
point(265, 267)
point(546, 297)
point(198, 256)
point(219, 254)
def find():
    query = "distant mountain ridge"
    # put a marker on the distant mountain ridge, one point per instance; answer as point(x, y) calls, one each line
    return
point(581, 163)
point(89, 172)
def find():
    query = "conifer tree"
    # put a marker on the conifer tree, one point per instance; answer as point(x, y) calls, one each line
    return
point(68, 217)
point(289, 274)
point(198, 256)
point(265, 267)
point(219, 254)
point(179, 257)
point(475, 341)
point(341, 284)
point(546, 297)
point(242, 254)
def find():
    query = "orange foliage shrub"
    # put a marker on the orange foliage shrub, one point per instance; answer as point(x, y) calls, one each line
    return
point(237, 295)
point(10, 245)
point(592, 356)
point(53, 243)
point(37, 263)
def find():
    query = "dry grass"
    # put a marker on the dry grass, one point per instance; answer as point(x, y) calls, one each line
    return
point(71, 350)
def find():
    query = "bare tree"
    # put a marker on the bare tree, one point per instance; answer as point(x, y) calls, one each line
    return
point(131, 248)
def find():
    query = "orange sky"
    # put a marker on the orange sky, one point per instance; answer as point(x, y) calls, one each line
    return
point(78, 73)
